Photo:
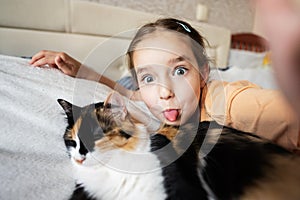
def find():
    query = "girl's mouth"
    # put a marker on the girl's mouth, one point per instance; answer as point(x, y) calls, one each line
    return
point(171, 114)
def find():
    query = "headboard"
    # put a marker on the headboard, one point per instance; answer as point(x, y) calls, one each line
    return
point(93, 33)
point(249, 50)
point(249, 42)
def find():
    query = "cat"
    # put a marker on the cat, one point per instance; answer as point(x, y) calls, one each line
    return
point(115, 157)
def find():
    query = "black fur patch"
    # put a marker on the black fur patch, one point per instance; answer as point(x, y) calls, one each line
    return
point(80, 194)
point(181, 180)
point(236, 161)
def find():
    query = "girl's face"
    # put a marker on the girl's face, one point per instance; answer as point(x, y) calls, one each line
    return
point(168, 76)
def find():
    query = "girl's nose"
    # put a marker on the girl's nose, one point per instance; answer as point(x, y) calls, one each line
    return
point(165, 93)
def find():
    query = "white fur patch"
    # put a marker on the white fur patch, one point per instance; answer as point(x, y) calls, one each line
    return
point(74, 152)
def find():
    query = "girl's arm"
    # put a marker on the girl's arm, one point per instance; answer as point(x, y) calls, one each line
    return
point(281, 25)
point(74, 68)
point(247, 107)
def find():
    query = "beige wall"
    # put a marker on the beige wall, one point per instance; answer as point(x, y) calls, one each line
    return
point(257, 27)
point(236, 15)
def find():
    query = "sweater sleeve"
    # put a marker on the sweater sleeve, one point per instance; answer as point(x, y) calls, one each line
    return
point(247, 107)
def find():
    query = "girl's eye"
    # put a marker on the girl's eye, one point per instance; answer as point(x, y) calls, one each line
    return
point(180, 71)
point(147, 79)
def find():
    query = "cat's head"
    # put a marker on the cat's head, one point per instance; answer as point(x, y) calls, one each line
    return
point(104, 125)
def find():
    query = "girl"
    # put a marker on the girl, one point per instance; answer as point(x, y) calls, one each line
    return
point(170, 66)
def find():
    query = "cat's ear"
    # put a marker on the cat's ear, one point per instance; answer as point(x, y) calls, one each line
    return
point(68, 107)
point(117, 104)
point(99, 105)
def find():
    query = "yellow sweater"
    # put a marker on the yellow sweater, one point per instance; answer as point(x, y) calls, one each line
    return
point(247, 107)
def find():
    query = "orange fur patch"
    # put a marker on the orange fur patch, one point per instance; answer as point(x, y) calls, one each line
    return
point(168, 131)
point(114, 139)
point(71, 134)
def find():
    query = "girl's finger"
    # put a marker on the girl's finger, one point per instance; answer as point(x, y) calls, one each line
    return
point(67, 64)
point(43, 61)
point(60, 63)
point(63, 66)
point(35, 58)
point(40, 55)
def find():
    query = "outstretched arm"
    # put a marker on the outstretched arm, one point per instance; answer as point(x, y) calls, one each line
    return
point(281, 25)
point(74, 68)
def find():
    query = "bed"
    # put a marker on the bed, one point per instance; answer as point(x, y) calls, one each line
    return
point(34, 162)
point(249, 59)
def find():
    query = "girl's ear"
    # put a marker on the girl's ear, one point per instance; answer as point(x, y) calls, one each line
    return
point(204, 75)
point(117, 104)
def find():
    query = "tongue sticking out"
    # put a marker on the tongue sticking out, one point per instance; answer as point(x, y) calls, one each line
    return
point(171, 115)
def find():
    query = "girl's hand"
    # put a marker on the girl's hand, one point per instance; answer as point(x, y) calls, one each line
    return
point(70, 66)
point(281, 25)
point(60, 60)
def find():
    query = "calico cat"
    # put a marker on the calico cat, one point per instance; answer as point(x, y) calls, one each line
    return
point(106, 154)
point(115, 157)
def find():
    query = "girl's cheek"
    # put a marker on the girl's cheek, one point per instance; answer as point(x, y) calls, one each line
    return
point(148, 96)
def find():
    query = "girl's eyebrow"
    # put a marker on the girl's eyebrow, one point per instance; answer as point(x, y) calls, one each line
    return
point(141, 69)
point(170, 62)
point(179, 59)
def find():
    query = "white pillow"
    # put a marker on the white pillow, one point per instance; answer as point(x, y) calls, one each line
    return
point(245, 59)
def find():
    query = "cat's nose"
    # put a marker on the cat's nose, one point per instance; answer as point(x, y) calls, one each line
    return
point(79, 161)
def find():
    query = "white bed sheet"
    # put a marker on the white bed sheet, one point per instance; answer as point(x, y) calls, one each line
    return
point(262, 76)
